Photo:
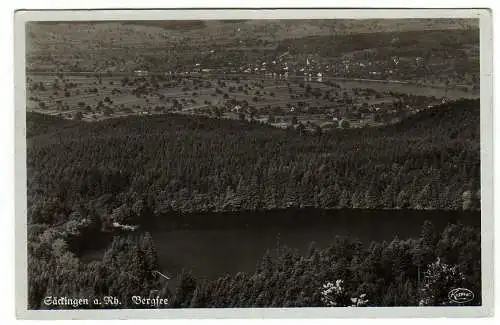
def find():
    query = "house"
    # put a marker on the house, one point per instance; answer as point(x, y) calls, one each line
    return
point(329, 125)
point(368, 116)
point(319, 77)
point(344, 124)
point(141, 73)
point(353, 115)
point(125, 227)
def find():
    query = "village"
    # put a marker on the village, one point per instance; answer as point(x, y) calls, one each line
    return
point(282, 93)
point(288, 83)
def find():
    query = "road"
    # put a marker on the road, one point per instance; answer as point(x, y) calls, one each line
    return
point(213, 76)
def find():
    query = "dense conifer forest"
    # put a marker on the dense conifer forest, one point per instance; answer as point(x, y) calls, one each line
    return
point(83, 177)
point(123, 167)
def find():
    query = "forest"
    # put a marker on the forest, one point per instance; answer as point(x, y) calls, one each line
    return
point(417, 43)
point(132, 167)
point(401, 272)
point(82, 177)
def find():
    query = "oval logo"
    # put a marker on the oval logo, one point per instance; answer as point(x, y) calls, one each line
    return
point(460, 295)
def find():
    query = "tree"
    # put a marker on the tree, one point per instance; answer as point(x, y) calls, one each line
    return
point(59, 247)
point(317, 130)
point(470, 200)
point(439, 280)
point(185, 291)
point(301, 128)
point(335, 295)
point(78, 116)
point(428, 235)
point(122, 214)
point(389, 196)
point(139, 208)
point(402, 200)
point(107, 111)
point(371, 197)
point(344, 124)
point(423, 198)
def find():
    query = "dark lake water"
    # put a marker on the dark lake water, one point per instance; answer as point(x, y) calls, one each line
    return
point(214, 244)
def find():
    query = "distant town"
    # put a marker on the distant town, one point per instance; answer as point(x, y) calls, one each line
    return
point(289, 83)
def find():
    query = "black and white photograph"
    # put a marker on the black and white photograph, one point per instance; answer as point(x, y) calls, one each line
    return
point(212, 162)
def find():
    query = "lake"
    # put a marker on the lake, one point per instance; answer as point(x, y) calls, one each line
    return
point(214, 244)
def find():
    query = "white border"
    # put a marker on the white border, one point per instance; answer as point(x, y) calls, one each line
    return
point(209, 14)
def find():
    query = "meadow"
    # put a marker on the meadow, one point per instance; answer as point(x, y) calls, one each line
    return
point(282, 103)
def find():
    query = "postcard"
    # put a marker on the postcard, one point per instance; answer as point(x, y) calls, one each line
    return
point(254, 163)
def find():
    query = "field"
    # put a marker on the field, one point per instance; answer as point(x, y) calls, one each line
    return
point(170, 45)
point(312, 74)
point(282, 103)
